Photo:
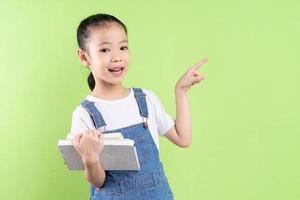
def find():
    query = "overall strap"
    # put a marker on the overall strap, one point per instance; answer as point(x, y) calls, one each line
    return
point(141, 100)
point(94, 113)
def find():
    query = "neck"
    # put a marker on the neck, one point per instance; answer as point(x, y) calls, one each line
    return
point(110, 91)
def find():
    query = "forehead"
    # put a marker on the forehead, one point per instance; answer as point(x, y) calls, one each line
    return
point(111, 32)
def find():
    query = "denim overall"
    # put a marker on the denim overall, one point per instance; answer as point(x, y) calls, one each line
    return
point(149, 183)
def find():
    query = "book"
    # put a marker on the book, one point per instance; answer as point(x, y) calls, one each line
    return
point(118, 153)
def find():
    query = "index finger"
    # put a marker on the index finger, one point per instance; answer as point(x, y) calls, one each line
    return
point(77, 137)
point(199, 63)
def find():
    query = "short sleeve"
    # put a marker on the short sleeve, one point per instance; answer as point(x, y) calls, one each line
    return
point(80, 121)
point(163, 120)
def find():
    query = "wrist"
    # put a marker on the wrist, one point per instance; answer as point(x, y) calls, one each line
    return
point(90, 161)
point(180, 90)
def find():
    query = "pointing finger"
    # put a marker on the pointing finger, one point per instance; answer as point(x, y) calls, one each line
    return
point(200, 63)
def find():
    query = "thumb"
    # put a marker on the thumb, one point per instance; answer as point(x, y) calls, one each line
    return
point(76, 140)
point(197, 79)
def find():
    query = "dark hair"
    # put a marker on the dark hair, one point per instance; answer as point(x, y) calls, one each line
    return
point(84, 30)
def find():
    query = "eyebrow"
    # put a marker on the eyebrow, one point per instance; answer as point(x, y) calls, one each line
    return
point(102, 43)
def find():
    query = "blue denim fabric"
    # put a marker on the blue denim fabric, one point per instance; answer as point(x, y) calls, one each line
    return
point(149, 183)
point(94, 113)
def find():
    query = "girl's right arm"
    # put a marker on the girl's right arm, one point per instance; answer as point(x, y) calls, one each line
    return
point(95, 174)
point(89, 145)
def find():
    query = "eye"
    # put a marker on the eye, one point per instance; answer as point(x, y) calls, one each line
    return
point(124, 48)
point(104, 50)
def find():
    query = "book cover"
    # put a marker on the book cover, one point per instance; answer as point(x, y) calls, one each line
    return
point(118, 153)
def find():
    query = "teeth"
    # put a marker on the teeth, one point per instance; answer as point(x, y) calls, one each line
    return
point(115, 69)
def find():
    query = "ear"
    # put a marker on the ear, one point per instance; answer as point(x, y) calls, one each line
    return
point(83, 57)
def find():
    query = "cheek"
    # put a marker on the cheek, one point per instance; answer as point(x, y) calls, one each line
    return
point(99, 70)
point(100, 63)
point(128, 58)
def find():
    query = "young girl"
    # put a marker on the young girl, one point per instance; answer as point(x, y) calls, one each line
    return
point(136, 113)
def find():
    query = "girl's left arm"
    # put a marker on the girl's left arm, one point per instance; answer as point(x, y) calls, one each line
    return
point(181, 133)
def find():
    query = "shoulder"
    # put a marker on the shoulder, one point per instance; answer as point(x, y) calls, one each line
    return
point(150, 95)
point(152, 98)
point(79, 111)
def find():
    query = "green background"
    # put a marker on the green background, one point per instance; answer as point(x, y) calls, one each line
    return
point(245, 113)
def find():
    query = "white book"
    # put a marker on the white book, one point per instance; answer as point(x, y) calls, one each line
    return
point(117, 154)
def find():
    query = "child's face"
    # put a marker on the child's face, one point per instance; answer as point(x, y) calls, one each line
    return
point(108, 53)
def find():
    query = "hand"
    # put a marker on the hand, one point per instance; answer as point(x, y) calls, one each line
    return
point(89, 145)
point(191, 77)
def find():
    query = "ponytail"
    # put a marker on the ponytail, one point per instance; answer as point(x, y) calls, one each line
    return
point(91, 81)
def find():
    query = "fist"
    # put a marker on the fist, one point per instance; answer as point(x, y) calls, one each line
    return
point(89, 145)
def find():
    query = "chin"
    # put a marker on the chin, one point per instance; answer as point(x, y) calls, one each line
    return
point(116, 81)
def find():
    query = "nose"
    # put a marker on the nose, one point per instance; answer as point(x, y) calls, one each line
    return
point(116, 57)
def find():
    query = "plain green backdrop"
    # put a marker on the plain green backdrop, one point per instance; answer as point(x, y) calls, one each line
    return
point(246, 113)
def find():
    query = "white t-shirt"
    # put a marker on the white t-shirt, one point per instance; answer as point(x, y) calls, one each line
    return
point(124, 112)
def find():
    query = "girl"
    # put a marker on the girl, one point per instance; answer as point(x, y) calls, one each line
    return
point(136, 113)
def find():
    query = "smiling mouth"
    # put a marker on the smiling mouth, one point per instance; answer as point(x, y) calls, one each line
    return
point(116, 69)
